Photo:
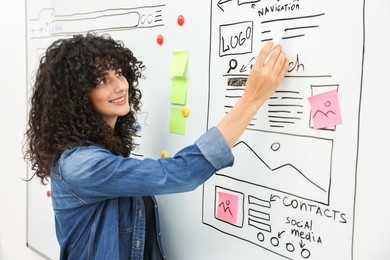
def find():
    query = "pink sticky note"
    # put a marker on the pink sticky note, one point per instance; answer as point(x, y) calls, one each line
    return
point(325, 109)
point(227, 207)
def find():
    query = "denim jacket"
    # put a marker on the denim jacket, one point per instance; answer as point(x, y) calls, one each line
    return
point(97, 196)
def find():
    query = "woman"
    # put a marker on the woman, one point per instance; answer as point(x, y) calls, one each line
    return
point(80, 134)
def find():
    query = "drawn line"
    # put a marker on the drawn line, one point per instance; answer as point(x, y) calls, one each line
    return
point(293, 18)
point(294, 36)
point(283, 105)
point(232, 96)
point(284, 38)
point(301, 27)
point(259, 214)
point(112, 9)
point(93, 18)
point(259, 225)
point(285, 117)
point(325, 114)
point(137, 155)
point(297, 98)
point(259, 202)
point(309, 76)
point(241, 89)
point(279, 111)
point(287, 91)
point(279, 167)
point(282, 122)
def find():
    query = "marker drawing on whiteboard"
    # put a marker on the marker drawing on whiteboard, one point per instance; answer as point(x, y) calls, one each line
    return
point(276, 41)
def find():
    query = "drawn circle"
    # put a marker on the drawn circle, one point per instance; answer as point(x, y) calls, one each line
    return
point(143, 19)
point(328, 103)
point(275, 146)
point(274, 241)
point(260, 237)
point(305, 253)
point(150, 18)
point(290, 247)
point(232, 65)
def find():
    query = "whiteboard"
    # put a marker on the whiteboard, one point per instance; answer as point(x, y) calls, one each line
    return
point(292, 192)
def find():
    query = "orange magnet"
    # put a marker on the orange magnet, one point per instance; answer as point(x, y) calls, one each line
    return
point(185, 111)
point(164, 154)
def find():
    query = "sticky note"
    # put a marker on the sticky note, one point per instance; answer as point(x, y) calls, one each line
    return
point(179, 64)
point(179, 91)
point(325, 109)
point(227, 207)
point(177, 122)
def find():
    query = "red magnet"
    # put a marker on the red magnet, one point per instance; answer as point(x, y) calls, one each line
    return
point(160, 39)
point(48, 194)
point(180, 20)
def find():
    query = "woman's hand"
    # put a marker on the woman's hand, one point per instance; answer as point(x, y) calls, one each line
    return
point(263, 80)
point(265, 77)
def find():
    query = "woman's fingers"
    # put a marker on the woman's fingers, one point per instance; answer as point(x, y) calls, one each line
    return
point(284, 69)
point(274, 56)
point(279, 64)
point(263, 54)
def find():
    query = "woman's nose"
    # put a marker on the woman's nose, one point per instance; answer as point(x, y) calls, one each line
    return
point(118, 84)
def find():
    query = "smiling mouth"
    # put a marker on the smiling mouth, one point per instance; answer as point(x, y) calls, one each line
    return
point(117, 100)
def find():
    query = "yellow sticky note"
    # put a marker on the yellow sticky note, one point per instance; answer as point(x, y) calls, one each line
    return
point(177, 122)
point(179, 91)
point(179, 64)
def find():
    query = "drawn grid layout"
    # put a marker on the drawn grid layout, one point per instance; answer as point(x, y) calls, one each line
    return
point(283, 192)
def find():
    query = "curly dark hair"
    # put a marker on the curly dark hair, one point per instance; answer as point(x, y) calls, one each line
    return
point(61, 113)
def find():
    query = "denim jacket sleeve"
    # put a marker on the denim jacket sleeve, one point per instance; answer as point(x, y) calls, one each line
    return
point(92, 173)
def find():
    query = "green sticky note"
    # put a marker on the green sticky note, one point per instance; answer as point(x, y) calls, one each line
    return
point(179, 91)
point(177, 123)
point(179, 64)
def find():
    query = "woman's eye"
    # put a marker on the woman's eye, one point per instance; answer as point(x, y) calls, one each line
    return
point(119, 73)
point(101, 82)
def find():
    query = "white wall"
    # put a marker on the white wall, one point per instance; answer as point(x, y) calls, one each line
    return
point(373, 192)
point(12, 126)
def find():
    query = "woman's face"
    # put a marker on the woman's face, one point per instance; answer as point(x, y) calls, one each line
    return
point(110, 97)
